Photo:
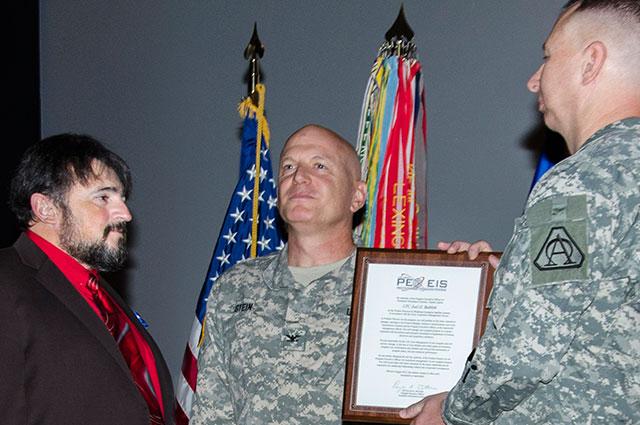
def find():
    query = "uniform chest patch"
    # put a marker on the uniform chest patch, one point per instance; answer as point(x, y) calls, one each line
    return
point(559, 251)
point(294, 338)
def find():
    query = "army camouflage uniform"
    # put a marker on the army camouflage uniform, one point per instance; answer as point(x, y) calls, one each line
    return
point(274, 350)
point(563, 341)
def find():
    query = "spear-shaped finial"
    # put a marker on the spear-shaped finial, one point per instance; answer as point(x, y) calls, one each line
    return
point(400, 32)
point(253, 52)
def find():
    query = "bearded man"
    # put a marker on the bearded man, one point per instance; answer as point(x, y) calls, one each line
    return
point(72, 351)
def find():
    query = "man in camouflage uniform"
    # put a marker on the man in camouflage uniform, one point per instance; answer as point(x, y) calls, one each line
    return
point(563, 341)
point(276, 327)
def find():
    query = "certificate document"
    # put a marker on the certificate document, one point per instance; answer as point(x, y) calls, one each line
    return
point(417, 331)
point(416, 316)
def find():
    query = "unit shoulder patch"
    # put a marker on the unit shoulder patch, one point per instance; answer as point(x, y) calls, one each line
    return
point(559, 245)
point(559, 251)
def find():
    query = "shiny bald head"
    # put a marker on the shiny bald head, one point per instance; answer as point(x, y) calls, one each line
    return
point(319, 182)
point(325, 136)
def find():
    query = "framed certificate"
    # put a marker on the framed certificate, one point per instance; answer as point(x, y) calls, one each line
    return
point(416, 316)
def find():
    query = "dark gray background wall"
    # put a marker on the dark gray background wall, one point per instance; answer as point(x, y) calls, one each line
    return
point(159, 82)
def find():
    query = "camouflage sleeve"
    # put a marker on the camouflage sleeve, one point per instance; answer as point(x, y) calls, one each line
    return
point(212, 403)
point(513, 360)
point(546, 279)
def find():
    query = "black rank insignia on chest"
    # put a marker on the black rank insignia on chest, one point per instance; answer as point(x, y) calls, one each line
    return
point(294, 338)
point(559, 251)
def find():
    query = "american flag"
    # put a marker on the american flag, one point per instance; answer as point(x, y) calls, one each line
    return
point(249, 230)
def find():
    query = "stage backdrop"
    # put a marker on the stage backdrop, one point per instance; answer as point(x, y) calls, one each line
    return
point(159, 81)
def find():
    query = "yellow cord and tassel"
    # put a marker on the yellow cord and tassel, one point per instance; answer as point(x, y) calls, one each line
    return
point(247, 108)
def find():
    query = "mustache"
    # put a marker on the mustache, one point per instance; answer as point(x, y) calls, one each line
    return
point(116, 227)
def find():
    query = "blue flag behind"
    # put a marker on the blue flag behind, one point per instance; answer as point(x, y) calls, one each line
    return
point(552, 151)
point(544, 165)
point(249, 230)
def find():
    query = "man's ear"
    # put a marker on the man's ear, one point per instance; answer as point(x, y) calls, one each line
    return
point(595, 55)
point(359, 197)
point(44, 209)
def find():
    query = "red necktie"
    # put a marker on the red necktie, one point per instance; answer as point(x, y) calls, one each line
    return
point(118, 326)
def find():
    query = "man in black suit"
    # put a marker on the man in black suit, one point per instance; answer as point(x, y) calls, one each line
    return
point(72, 352)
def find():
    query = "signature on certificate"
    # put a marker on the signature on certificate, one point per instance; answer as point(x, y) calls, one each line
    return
point(411, 389)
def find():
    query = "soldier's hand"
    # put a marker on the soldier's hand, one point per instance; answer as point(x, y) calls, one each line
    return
point(472, 249)
point(427, 411)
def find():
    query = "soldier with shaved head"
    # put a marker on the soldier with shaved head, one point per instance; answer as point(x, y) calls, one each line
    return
point(562, 344)
point(276, 327)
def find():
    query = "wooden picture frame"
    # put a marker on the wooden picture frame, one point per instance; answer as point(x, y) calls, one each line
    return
point(409, 327)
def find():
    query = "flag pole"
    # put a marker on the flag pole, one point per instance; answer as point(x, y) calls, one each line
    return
point(400, 33)
point(253, 53)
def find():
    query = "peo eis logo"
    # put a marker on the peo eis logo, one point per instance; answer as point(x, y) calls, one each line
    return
point(406, 282)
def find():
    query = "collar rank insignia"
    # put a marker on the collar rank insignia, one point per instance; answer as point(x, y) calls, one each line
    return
point(559, 251)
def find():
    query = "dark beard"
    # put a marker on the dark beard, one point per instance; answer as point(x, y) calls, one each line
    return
point(95, 254)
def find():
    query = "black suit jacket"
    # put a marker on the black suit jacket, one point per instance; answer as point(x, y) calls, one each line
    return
point(58, 363)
